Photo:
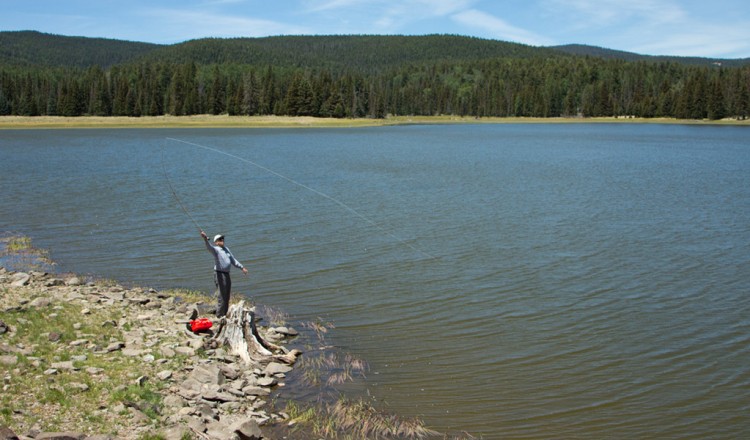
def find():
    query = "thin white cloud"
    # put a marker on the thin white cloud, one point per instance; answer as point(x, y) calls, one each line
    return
point(410, 7)
point(397, 16)
point(604, 13)
point(499, 28)
point(650, 27)
point(439, 8)
point(386, 16)
point(184, 25)
point(222, 2)
point(316, 6)
point(713, 41)
point(62, 23)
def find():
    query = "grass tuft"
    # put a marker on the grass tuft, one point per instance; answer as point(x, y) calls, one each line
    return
point(357, 419)
point(337, 368)
point(17, 252)
point(275, 316)
point(19, 244)
point(320, 327)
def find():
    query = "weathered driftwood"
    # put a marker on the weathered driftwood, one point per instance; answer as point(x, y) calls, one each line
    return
point(238, 331)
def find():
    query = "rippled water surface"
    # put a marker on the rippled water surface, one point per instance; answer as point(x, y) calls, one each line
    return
point(539, 281)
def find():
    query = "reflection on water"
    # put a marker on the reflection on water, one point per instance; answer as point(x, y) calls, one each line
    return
point(588, 280)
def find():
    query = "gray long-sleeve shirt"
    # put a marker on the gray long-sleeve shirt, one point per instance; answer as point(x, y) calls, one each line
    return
point(223, 258)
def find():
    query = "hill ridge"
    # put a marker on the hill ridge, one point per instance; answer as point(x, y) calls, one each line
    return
point(359, 52)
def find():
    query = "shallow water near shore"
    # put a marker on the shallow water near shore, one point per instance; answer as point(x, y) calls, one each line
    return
point(511, 281)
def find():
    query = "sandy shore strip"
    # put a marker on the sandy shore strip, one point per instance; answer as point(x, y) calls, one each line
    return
point(225, 121)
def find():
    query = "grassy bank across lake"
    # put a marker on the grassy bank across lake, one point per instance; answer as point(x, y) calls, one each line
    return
point(225, 121)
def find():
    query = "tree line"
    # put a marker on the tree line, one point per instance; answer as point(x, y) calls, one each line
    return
point(502, 87)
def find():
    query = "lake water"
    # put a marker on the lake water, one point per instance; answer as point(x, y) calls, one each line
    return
point(512, 281)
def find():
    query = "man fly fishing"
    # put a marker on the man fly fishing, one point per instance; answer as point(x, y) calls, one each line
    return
point(223, 262)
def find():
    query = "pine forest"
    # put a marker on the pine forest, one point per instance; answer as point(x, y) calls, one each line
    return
point(358, 77)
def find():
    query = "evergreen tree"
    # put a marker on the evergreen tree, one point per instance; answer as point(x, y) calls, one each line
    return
point(250, 94)
point(5, 109)
point(267, 102)
point(217, 93)
point(299, 97)
point(99, 102)
point(742, 107)
point(235, 93)
point(716, 108)
point(121, 87)
point(66, 100)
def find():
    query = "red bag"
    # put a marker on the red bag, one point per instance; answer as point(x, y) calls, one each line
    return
point(200, 324)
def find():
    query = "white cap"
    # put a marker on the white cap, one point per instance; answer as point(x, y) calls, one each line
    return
point(218, 237)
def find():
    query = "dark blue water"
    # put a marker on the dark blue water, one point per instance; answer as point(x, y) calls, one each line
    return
point(511, 281)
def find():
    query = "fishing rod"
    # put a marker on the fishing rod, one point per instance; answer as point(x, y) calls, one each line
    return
point(174, 193)
point(320, 193)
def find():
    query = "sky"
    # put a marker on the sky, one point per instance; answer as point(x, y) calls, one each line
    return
point(715, 29)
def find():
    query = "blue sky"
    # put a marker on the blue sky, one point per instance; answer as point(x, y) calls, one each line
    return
point(718, 28)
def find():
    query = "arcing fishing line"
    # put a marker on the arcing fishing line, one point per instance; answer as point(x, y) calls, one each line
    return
point(322, 194)
point(174, 193)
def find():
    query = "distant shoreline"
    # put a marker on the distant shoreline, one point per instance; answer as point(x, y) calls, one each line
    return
point(225, 121)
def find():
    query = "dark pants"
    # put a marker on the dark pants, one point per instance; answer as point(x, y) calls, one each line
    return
point(223, 289)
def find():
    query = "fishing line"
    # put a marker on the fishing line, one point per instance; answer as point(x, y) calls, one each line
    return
point(302, 185)
point(174, 193)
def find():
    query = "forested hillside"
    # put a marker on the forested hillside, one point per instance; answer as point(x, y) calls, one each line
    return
point(600, 52)
point(29, 48)
point(363, 53)
point(354, 76)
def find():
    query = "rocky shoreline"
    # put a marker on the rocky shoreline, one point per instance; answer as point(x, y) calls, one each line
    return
point(119, 347)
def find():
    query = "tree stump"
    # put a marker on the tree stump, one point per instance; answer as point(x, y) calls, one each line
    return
point(238, 331)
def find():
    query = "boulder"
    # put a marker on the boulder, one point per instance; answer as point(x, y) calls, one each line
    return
point(139, 300)
point(8, 360)
point(254, 390)
point(40, 303)
point(191, 384)
point(267, 381)
point(207, 374)
point(185, 351)
point(276, 368)
point(7, 434)
point(20, 279)
point(214, 395)
point(115, 346)
point(230, 371)
point(132, 352)
point(286, 331)
point(177, 433)
point(173, 401)
point(60, 436)
point(247, 430)
point(78, 386)
point(115, 296)
point(66, 365)
point(73, 281)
